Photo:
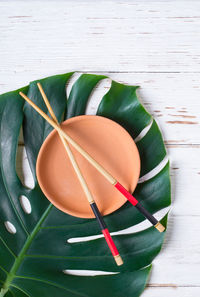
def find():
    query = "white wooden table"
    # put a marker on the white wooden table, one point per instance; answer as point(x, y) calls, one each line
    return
point(153, 44)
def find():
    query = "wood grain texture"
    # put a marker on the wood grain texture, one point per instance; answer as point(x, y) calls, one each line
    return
point(151, 44)
point(171, 291)
point(114, 36)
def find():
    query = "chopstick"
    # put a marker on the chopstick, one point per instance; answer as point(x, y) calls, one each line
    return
point(102, 170)
point(84, 185)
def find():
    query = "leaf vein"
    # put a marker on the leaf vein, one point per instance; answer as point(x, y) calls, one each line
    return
point(11, 252)
point(50, 283)
point(20, 289)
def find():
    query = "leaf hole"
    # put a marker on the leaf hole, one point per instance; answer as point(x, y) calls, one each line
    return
point(21, 137)
point(154, 171)
point(130, 230)
point(87, 272)
point(96, 96)
point(25, 204)
point(85, 238)
point(144, 132)
point(23, 168)
point(10, 227)
point(143, 225)
point(136, 228)
point(71, 82)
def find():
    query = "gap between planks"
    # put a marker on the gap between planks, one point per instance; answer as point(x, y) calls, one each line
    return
point(171, 286)
point(132, 72)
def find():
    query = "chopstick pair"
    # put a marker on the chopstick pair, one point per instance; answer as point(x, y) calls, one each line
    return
point(100, 168)
point(84, 185)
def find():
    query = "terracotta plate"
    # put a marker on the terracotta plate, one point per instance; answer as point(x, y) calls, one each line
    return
point(105, 141)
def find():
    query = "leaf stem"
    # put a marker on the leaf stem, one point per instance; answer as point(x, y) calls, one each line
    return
point(3, 292)
point(21, 255)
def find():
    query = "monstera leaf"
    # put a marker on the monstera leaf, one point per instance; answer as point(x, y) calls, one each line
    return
point(34, 246)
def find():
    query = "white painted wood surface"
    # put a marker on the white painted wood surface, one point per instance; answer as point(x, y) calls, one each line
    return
point(151, 44)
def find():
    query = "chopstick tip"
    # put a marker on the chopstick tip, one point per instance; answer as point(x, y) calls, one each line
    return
point(118, 260)
point(160, 227)
point(22, 94)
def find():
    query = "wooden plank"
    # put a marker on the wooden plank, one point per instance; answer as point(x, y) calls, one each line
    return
point(154, 45)
point(178, 262)
point(104, 35)
point(172, 292)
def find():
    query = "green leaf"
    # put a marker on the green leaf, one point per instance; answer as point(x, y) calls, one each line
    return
point(33, 259)
point(122, 105)
point(81, 91)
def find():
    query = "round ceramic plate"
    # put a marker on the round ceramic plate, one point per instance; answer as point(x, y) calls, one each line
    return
point(109, 144)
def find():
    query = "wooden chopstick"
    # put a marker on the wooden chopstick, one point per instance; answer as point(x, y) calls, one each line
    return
point(102, 170)
point(84, 185)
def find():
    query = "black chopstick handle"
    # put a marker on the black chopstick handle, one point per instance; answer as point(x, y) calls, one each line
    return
point(146, 213)
point(98, 216)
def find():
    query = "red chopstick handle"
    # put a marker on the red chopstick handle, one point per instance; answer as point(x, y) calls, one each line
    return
point(128, 196)
point(110, 242)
